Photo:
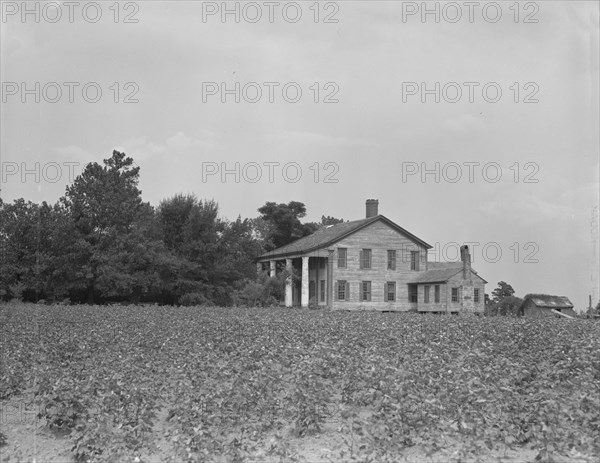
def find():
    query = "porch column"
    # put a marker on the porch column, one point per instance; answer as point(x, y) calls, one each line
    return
point(288, 283)
point(330, 279)
point(272, 271)
point(304, 298)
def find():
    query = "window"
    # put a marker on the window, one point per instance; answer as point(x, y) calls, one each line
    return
point(414, 260)
point(365, 291)
point(412, 293)
point(437, 293)
point(391, 260)
point(390, 291)
point(342, 257)
point(426, 298)
point(342, 290)
point(454, 294)
point(322, 290)
point(365, 258)
point(476, 295)
point(311, 290)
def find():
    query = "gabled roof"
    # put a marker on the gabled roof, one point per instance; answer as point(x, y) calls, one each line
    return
point(440, 272)
point(547, 301)
point(327, 236)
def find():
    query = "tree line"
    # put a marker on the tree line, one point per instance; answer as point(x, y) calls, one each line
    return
point(102, 243)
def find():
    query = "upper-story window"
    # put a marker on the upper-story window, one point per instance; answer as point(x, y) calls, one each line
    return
point(342, 257)
point(365, 258)
point(414, 260)
point(391, 254)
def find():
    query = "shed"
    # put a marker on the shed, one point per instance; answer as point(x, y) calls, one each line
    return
point(545, 305)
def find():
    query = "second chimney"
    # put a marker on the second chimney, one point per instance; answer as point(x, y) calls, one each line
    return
point(465, 256)
point(372, 208)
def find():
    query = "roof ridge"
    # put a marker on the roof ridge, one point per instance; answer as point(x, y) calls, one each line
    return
point(326, 236)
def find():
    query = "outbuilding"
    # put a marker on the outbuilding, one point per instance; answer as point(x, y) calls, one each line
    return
point(544, 305)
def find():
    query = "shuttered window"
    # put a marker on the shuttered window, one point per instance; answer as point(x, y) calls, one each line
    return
point(391, 259)
point(437, 293)
point(365, 258)
point(426, 296)
point(365, 291)
point(414, 260)
point(343, 290)
point(342, 257)
point(389, 291)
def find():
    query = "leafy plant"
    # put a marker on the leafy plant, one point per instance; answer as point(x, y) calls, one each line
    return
point(237, 384)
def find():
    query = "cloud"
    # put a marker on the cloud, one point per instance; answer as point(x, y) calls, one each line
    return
point(140, 148)
point(547, 205)
point(179, 144)
point(74, 153)
point(465, 122)
point(313, 138)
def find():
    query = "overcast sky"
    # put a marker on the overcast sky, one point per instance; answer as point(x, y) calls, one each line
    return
point(529, 156)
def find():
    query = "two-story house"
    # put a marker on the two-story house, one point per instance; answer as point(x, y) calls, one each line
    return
point(374, 264)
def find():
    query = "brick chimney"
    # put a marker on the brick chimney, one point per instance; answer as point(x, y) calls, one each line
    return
point(372, 208)
point(465, 257)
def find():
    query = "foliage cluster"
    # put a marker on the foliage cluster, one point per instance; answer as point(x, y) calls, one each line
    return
point(235, 384)
point(101, 243)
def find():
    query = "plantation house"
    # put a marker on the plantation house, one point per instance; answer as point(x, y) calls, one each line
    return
point(374, 264)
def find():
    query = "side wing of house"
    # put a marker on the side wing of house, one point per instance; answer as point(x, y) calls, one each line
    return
point(466, 294)
point(458, 293)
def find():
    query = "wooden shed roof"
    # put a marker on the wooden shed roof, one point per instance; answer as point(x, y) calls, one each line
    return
point(548, 301)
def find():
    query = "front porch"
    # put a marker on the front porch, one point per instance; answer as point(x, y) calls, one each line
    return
point(308, 278)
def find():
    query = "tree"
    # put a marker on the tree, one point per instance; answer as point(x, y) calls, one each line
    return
point(510, 305)
point(172, 215)
point(25, 231)
point(111, 253)
point(325, 221)
point(503, 290)
point(284, 223)
point(209, 254)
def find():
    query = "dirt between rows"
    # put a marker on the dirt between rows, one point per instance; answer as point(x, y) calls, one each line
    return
point(29, 440)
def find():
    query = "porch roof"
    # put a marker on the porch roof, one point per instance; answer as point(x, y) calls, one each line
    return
point(440, 272)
